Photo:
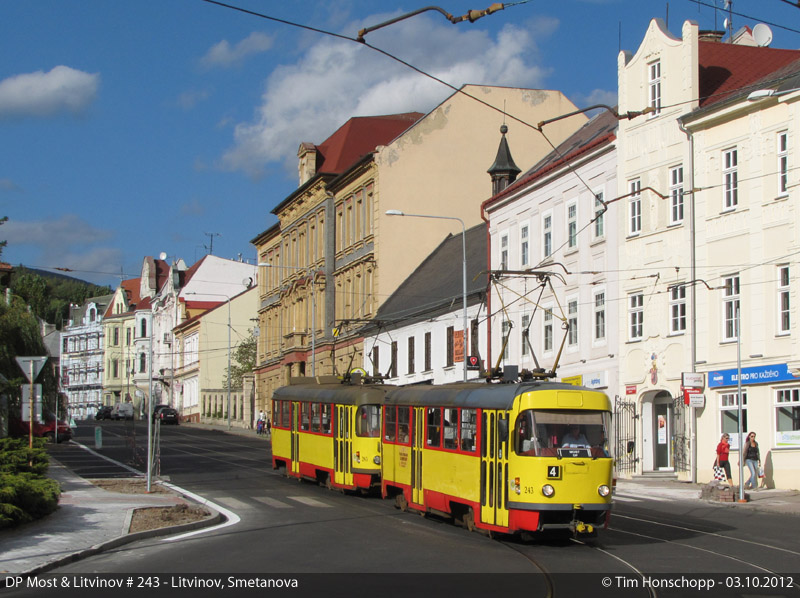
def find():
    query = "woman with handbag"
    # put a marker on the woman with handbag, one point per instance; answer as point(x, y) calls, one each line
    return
point(752, 458)
point(723, 450)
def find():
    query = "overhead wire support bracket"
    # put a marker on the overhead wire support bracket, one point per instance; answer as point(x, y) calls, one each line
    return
point(471, 16)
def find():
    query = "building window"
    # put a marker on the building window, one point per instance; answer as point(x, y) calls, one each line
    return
point(428, 352)
point(506, 331)
point(547, 235)
point(636, 316)
point(783, 300)
point(635, 207)
point(729, 415)
point(410, 355)
point(449, 360)
point(654, 70)
point(504, 252)
point(143, 328)
point(599, 316)
point(572, 319)
point(676, 195)
point(116, 337)
point(730, 179)
point(547, 340)
point(783, 163)
point(393, 365)
point(115, 368)
point(677, 310)
point(572, 225)
point(787, 418)
point(599, 215)
point(524, 244)
point(142, 363)
point(730, 308)
point(128, 337)
point(526, 322)
point(376, 361)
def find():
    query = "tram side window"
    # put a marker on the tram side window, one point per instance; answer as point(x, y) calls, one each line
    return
point(390, 424)
point(469, 418)
point(304, 408)
point(451, 428)
point(369, 421)
point(434, 432)
point(403, 424)
point(276, 414)
point(326, 418)
point(315, 415)
point(286, 414)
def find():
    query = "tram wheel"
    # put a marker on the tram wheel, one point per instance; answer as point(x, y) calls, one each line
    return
point(400, 502)
point(469, 520)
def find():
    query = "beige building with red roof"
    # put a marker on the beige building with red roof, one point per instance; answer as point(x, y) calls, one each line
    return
point(707, 229)
point(336, 256)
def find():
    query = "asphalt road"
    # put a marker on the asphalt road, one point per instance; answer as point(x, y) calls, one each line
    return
point(299, 528)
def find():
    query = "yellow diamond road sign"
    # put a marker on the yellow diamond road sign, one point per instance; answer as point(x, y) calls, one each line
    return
point(31, 366)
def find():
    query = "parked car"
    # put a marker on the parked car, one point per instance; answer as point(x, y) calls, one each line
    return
point(104, 412)
point(122, 411)
point(168, 415)
point(158, 408)
point(21, 429)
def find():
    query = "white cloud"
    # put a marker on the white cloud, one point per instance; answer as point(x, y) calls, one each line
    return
point(596, 96)
point(224, 56)
point(334, 80)
point(189, 99)
point(63, 89)
point(9, 185)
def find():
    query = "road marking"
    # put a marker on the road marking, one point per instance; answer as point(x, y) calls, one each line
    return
point(233, 503)
point(626, 499)
point(311, 502)
point(271, 502)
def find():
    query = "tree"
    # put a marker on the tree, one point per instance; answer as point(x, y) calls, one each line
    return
point(245, 360)
point(3, 243)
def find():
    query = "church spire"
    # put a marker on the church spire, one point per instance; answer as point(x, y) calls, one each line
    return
point(503, 171)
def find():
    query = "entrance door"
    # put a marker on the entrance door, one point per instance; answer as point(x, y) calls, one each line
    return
point(343, 445)
point(662, 434)
point(494, 468)
point(417, 443)
point(295, 438)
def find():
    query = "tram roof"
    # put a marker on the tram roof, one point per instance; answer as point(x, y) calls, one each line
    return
point(333, 392)
point(483, 396)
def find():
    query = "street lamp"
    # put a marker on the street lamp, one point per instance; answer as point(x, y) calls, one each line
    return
point(228, 299)
point(463, 268)
point(313, 309)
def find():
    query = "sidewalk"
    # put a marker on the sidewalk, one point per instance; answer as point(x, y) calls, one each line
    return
point(88, 520)
point(771, 500)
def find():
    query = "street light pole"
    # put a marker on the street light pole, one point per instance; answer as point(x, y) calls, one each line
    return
point(463, 269)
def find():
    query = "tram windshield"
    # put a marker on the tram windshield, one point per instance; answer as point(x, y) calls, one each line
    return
point(368, 421)
point(541, 433)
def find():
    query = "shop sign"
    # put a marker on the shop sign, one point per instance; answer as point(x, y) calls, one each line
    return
point(763, 374)
point(630, 390)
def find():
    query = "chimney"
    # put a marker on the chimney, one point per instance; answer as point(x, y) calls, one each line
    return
point(306, 161)
point(710, 35)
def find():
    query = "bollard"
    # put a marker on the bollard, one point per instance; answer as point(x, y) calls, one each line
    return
point(98, 437)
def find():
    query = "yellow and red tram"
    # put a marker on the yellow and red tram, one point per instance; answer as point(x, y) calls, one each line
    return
point(329, 431)
point(495, 456)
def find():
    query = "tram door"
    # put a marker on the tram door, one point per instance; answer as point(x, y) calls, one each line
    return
point(494, 467)
point(417, 444)
point(295, 438)
point(343, 445)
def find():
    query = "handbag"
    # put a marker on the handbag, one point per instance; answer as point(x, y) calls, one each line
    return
point(719, 473)
point(760, 472)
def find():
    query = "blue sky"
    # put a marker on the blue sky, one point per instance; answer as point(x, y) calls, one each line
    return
point(133, 128)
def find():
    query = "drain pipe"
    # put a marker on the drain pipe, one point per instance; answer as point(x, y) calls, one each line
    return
point(489, 293)
point(692, 291)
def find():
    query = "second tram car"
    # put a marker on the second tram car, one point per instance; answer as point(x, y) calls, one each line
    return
point(509, 458)
point(329, 432)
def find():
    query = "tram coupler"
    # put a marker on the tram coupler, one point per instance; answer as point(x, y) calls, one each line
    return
point(583, 530)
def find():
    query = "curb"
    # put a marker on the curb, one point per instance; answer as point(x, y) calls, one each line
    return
point(213, 519)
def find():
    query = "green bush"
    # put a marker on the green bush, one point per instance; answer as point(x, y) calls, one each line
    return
point(25, 494)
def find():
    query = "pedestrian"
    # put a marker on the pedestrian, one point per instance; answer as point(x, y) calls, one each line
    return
point(260, 423)
point(723, 450)
point(269, 428)
point(752, 458)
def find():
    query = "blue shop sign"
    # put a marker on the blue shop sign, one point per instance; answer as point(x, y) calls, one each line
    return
point(763, 374)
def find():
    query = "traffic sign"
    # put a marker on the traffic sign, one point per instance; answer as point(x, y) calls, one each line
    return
point(31, 366)
point(37, 402)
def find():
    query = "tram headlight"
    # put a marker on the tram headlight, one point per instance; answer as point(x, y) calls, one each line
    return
point(376, 459)
point(357, 457)
point(603, 490)
point(548, 490)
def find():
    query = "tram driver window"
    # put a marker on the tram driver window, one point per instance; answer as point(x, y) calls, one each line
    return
point(368, 421)
point(434, 419)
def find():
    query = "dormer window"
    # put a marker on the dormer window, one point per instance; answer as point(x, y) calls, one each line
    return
point(654, 71)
